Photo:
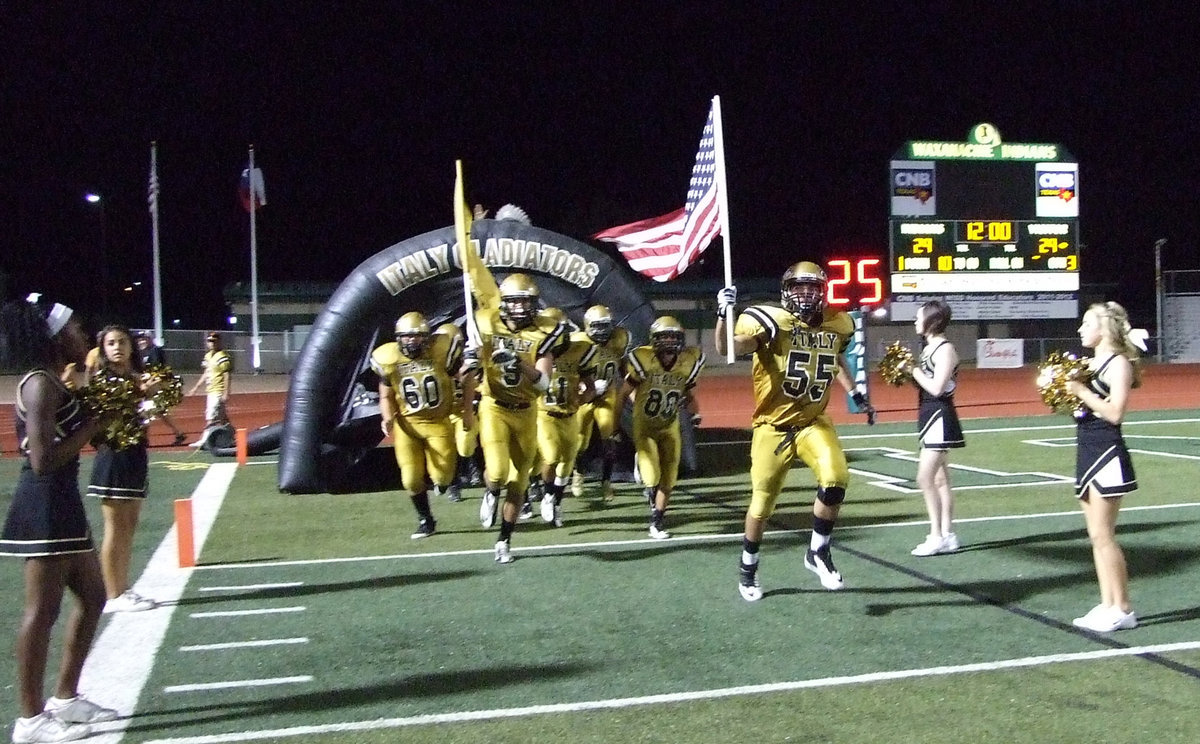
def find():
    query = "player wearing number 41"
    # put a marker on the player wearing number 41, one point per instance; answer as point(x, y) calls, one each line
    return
point(1103, 468)
point(416, 397)
point(517, 347)
point(797, 352)
point(571, 383)
point(660, 378)
point(937, 420)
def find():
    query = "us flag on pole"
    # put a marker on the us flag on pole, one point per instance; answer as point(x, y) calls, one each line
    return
point(663, 247)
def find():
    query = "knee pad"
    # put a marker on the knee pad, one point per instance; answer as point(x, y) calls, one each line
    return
point(831, 496)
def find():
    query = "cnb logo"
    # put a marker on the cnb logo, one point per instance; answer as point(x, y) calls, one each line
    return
point(915, 183)
point(1057, 183)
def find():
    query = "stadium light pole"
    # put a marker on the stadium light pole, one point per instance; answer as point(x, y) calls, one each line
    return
point(1158, 297)
point(93, 198)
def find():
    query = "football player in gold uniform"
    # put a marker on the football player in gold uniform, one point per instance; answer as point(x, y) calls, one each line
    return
point(466, 441)
point(797, 352)
point(558, 420)
point(416, 397)
point(516, 354)
point(611, 344)
point(660, 378)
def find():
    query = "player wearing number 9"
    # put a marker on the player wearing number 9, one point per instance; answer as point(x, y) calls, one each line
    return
point(797, 352)
point(660, 379)
point(416, 397)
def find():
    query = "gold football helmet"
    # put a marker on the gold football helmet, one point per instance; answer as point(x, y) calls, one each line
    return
point(518, 301)
point(666, 335)
point(451, 330)
point(598, 324)
point(412, 334)
point(802, 291)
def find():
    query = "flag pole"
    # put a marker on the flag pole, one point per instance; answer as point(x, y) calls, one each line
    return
point(723, 206)
point(254, 340)
point(157, 266)
point(462, 233)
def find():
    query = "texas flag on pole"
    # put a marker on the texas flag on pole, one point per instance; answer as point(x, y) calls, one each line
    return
point(663, 247)
point(251, 183)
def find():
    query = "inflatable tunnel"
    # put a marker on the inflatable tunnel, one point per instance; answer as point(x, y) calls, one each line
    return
point(331, 422)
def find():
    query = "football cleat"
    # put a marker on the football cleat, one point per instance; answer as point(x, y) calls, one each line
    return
point(820, 562)
point(549, 507)
point(487, 510)
point(606, 492)
point(577, 484)
point(748, 585)
point(526, 511)
point(503, 554)
point(425, 528)
point(658, 532)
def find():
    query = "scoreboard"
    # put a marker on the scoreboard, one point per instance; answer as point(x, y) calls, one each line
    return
point(990, 227)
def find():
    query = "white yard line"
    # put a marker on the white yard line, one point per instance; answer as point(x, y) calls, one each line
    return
point(251, 587)
point(123, 655)
point(677, 697)
point(237, 683)
point(245, 613)
point(649, 542)
point(244, 644)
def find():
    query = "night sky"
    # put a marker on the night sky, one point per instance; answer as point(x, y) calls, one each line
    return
point(586, 116)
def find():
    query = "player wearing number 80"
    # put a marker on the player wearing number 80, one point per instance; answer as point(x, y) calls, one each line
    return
point(416, 397)
point(797, 352)
point(660, 378)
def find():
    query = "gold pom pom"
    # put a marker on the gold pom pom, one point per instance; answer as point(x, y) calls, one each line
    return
point(114, 394)
point(896, 365)
point(165, 390)
point(1052, 379)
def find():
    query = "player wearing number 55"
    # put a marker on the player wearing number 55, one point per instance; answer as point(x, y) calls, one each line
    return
point(797, 352)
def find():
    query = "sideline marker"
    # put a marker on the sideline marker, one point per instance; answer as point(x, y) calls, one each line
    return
point(243, 449)
point(184, 534)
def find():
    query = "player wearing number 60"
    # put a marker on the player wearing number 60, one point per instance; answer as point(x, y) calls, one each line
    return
point(797, 352)
point(416, 396)
point(660, 379)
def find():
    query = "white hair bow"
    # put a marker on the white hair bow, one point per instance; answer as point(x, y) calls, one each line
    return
point(1138, 336)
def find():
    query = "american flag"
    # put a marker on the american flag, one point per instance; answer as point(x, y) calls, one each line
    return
point(663, 247)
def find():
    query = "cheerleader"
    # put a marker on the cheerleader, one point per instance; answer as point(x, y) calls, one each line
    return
point(119, 480)
point(1103, 468)
point(939, 430)
point(46, 525)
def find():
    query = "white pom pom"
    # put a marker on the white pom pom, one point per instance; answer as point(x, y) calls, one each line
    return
point(514, 213)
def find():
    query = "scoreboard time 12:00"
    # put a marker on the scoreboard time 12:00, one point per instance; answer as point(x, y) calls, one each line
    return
point(984, 245)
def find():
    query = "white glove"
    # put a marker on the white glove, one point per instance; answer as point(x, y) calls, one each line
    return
point(600, 386)
point(726, 299)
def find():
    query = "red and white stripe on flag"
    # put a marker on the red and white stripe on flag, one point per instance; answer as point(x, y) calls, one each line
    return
point(663, 247)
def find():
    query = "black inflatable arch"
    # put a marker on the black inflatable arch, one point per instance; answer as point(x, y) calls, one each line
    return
point(331, 421)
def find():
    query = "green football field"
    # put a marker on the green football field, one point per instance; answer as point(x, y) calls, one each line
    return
point(317, 619)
